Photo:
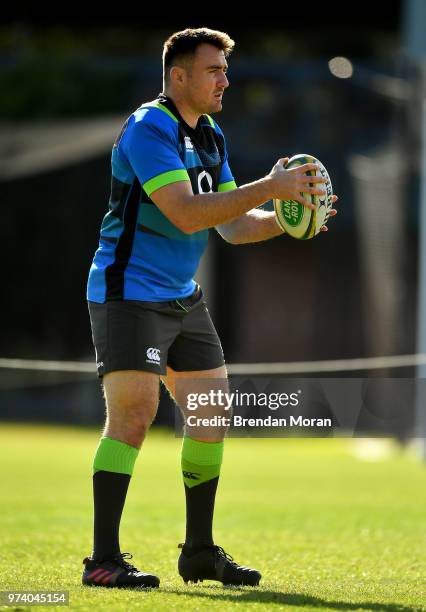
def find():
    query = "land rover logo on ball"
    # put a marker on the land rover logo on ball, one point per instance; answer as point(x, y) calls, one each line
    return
point(293, 212)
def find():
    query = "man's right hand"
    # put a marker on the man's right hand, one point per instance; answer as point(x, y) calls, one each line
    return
point(292, 183)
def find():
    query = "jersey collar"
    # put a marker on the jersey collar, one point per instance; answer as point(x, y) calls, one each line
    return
point(171, 106)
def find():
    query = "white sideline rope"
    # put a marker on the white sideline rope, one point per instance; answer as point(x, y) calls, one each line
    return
point(244, 369)
point(87, 367)
point(331, 365)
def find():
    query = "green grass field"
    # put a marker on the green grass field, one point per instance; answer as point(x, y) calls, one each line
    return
point(327, 530)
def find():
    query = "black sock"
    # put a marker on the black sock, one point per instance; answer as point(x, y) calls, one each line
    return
point(199, 514)
point(109, 494)
point(201, 463)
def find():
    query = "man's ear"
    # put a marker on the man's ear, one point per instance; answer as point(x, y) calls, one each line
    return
point(177, 74)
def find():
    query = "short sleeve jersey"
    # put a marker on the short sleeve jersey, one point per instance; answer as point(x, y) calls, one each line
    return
point(141, 254)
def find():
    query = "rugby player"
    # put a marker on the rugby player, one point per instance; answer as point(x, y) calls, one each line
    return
point(171, 182)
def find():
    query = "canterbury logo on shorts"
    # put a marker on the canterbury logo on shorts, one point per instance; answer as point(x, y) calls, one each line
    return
point(153, 355)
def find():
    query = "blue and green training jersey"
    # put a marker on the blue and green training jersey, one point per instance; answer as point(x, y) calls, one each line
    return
point(141, 254)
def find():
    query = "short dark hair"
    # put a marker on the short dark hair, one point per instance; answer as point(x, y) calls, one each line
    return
point(184, 44)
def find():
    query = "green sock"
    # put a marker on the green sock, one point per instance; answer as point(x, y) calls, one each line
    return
point(201, 462)
point(115, 456)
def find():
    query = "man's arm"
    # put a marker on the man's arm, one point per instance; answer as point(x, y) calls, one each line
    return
point(192, 213)
point(253, 226)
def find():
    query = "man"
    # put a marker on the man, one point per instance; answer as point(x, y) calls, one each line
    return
point(170, 182)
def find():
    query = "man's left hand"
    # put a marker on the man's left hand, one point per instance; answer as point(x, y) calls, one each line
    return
point(332, 213)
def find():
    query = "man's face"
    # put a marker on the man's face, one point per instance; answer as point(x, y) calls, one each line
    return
point(206, 79)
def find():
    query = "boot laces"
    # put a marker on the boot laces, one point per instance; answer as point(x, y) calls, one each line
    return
point(120, 560)
point(222, 553)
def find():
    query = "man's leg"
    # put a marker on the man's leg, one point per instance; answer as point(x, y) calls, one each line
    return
point(131, 401)
point(202, 452)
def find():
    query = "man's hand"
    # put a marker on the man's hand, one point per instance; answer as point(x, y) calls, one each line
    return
point(290, 184)
point(332, 212)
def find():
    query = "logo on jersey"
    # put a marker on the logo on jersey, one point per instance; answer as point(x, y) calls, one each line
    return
point(188, 144)
point(204, 180)
point(153, 355)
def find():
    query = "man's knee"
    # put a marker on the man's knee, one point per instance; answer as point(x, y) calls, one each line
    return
point(204, 400)
point(132, 401)
point(129, 422)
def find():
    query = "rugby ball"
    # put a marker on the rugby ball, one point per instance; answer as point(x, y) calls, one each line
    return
point(297, 220)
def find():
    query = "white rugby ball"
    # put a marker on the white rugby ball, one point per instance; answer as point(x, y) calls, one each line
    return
point(297, 220)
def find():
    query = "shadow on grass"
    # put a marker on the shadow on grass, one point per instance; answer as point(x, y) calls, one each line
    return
point(237, 595)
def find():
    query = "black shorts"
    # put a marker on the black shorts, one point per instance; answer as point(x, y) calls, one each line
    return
point(148, 336)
